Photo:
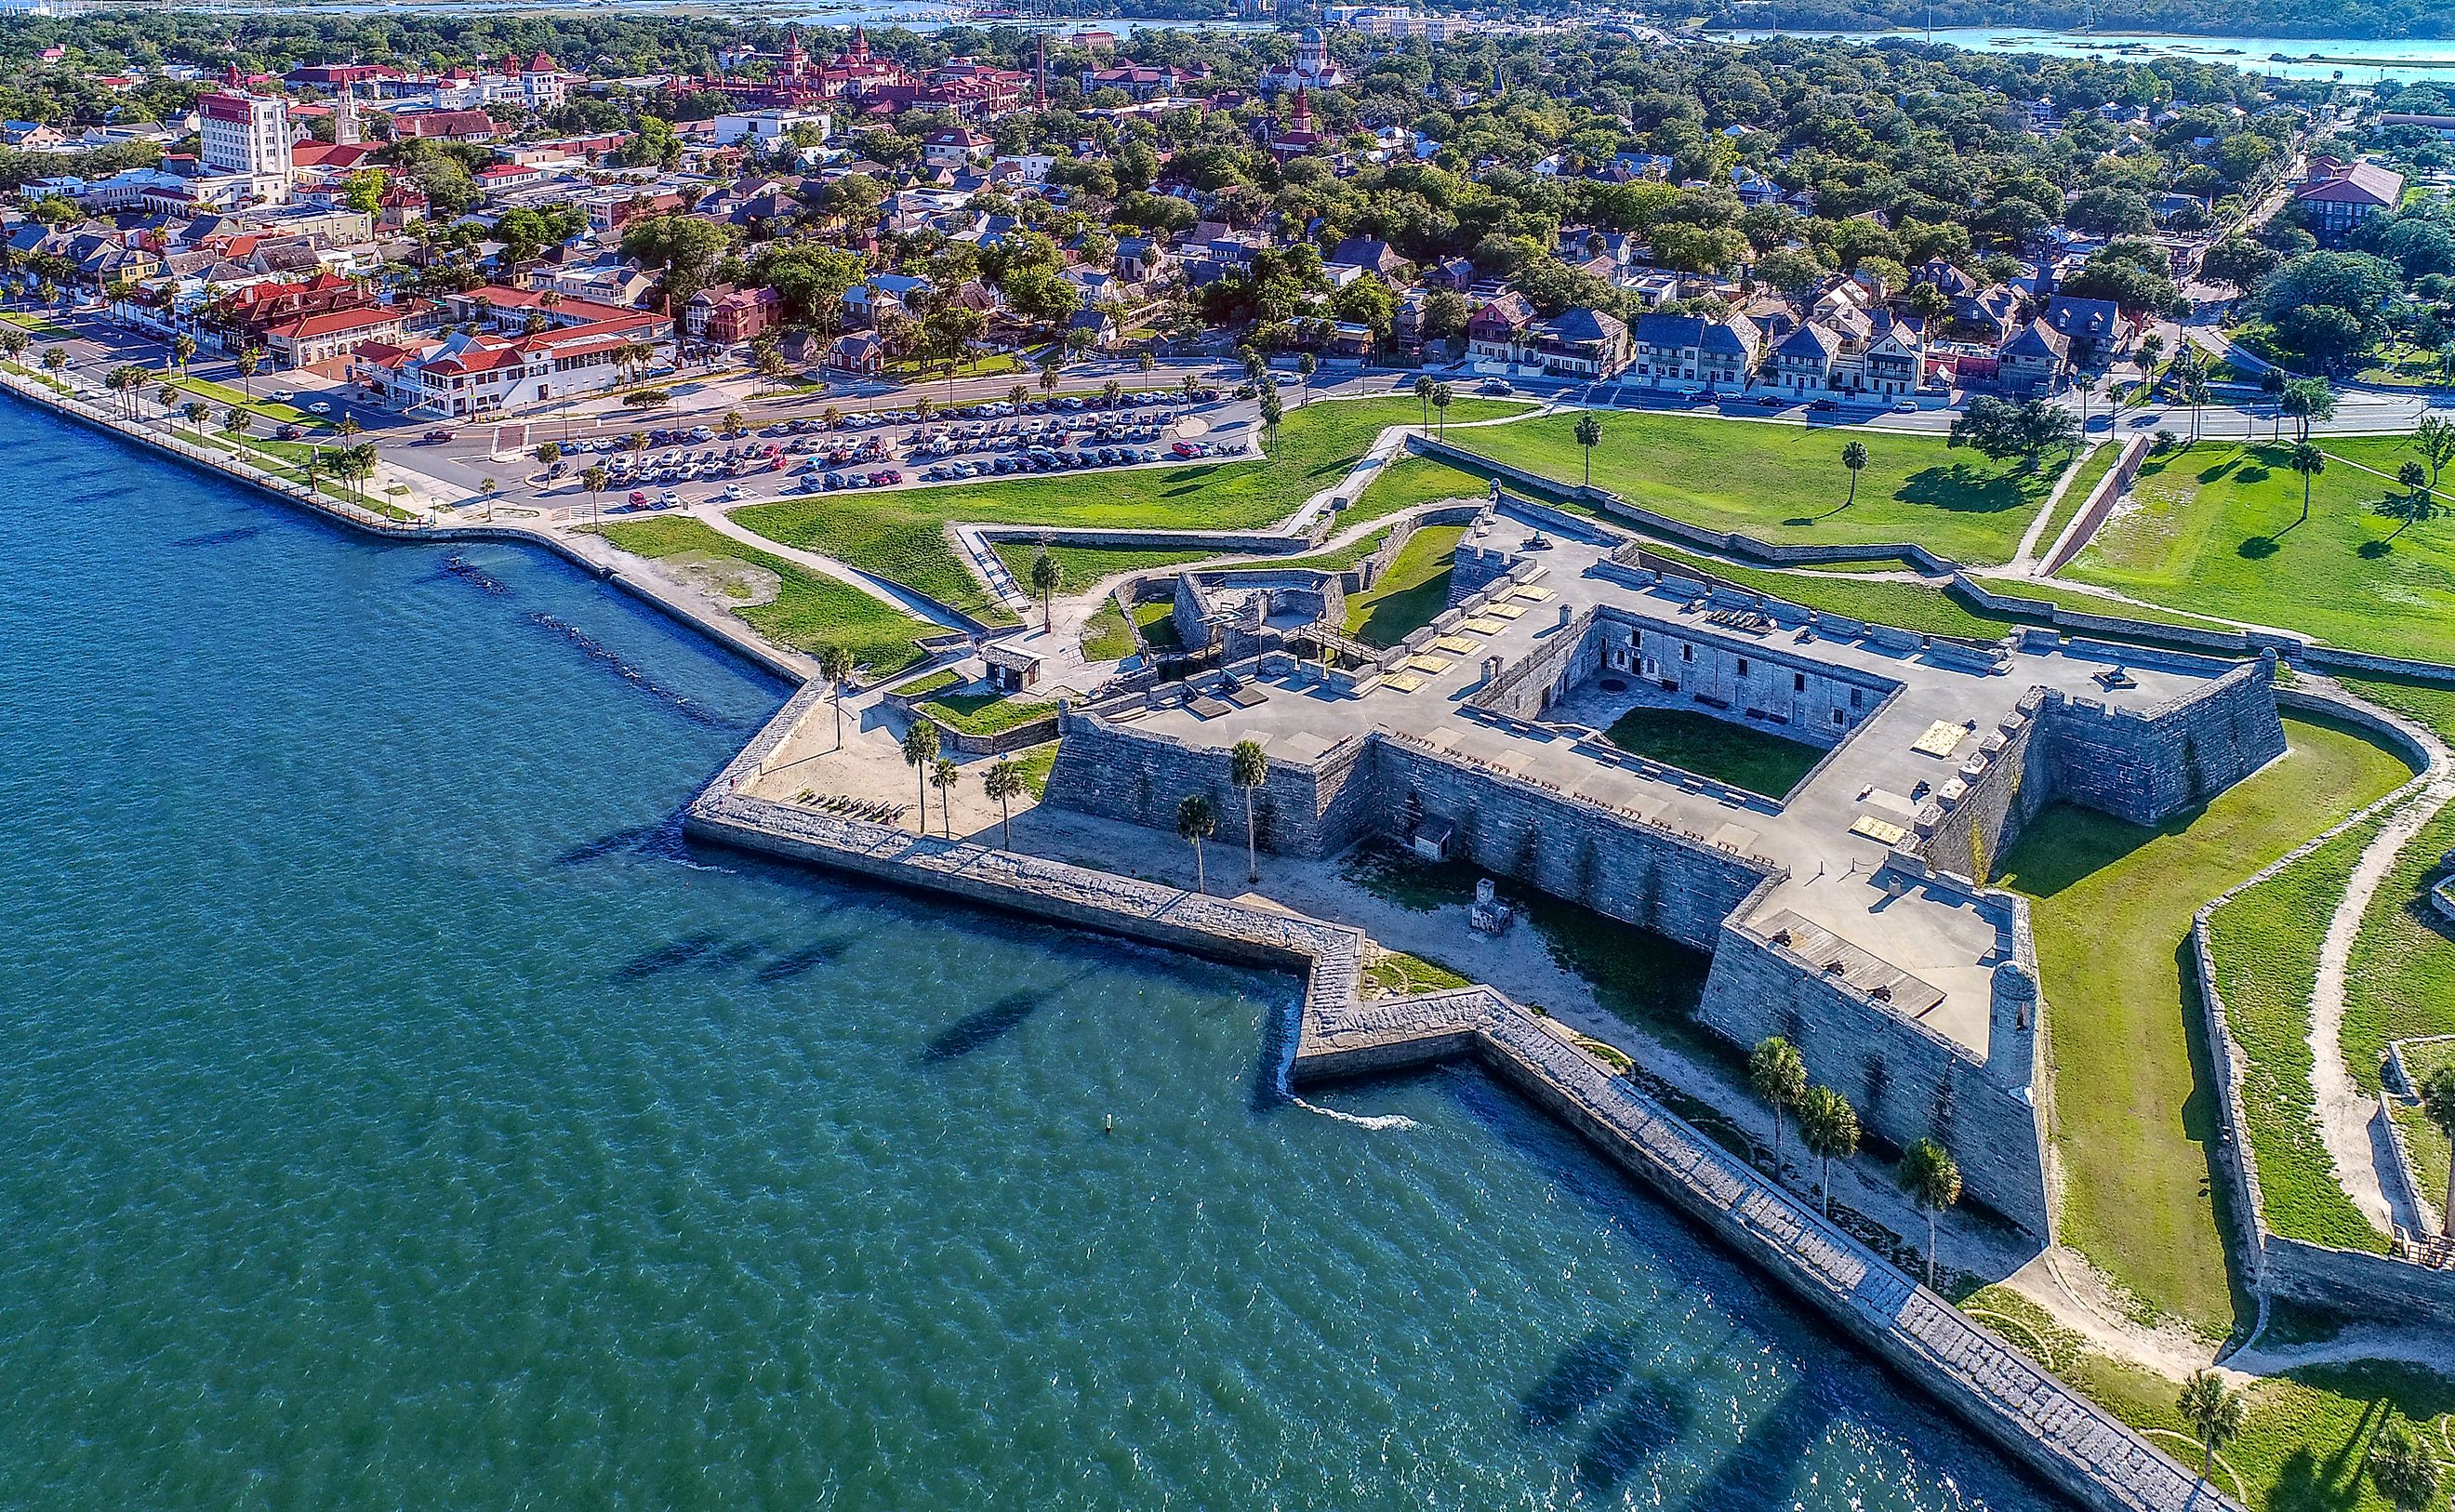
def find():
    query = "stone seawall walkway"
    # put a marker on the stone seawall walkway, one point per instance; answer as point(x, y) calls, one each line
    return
point(2064, 1439)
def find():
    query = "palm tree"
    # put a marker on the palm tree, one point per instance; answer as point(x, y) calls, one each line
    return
point(2309, 461)
point(1441, 397)
point(920, 752)
point(1049, 367)
point(2437, 1101)
point(2215, 1412)
point(1186, 386)
point(1047, 573)
point(2414, 480)
point(1003, 782)
point(13, 340)
point(733, 424)
point(1424, 397)
point(834, 665)
point(248, 361)
point(169, 393)
point(1932, 1178)
point(1854, 457)
point(125, 380)
point(234, 420)
point(1589, 435)
point(2402, 1467)
point(831, 417)
point(547, 454)
point(1110, 393)
point(1829, 1127)
point(1248, 769)
point(594, 478)
point(348, 429)
point(943, 775)
point(197, 410)
point(925, 407)
point(1196, 824)
point(1305, 367)
point(1780, 1076)
point(1273, 408)
point(1015, 394)
point(55, 358)
point(2272, 383)
point(183, 347)
point(2434, 438)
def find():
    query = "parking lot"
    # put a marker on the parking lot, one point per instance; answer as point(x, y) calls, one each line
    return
point(887, 448)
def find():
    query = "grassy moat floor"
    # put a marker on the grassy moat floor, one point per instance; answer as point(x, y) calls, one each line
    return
point(1742, 756)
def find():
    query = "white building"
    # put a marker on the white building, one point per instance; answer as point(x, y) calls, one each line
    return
point(246, 135)
point(765, 129)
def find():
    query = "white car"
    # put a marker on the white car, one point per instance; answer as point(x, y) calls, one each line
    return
point(733, 493)
point(320, 407)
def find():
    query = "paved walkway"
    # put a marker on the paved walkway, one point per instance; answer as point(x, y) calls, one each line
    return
point(711, 512)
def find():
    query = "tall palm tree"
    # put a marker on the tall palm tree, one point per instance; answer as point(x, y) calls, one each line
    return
point(1049, 367)
point(348, 429)
point(1047, 574)
point(1441, 397)
point(14, 340)
point(234, 420)
point(1424, 397)
point(1015, 394)
point(1248, 769)
point(1779, 1077)
point(834, 665)
point(943, 775)
point(1004, 784)
point(1854, 457)
point(248, 362)
point(196, 411)
point(2437, 1101)
point(1306, 364)
point(1195, 823)
point(2272, 383)
point(2214, 1410)
point(1932, 1178)
point(1829, 1127)
point(183, 347)
point(1589, 435)
point(2415, 481)
point(2309, 461)
point(920, 752)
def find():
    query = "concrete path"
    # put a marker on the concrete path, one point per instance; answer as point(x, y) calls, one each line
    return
point(2346, 1114)
point(2024, 561)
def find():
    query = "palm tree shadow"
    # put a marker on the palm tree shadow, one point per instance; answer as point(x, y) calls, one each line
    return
point(1586, 1372)
point(1649, 1420)
point(2258, 547)
point(975, 1032)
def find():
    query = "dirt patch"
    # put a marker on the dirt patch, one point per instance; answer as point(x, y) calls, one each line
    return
point(728, 580)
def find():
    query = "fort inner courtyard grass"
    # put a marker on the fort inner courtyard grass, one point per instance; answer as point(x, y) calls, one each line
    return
point(1742, 756)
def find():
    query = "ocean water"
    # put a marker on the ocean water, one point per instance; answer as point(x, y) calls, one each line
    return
point(395, 1113)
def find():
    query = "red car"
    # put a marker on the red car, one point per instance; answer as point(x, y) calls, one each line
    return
point(638, 500)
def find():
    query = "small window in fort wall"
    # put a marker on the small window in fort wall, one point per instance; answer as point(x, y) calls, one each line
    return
point(1798, 683)
point(1687, 654)
point(1858, 698)
point(1743, 666)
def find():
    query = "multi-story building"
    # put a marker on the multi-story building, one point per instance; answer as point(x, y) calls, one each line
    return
point(1677, 351)
point(2338, 195)
point(246, 135)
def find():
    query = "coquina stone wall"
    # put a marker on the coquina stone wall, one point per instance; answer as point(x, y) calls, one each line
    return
point(2146, 765)
point(1907, 1081)
point(1118, 773)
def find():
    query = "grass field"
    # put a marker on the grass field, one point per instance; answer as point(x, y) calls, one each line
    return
point(2266, 951)
point(1742, 756)
point(1105, 635)
point(1411, 593)
point(808, 611)
point(2111, 905)
point(1158, 626)
point(901, 534)
point(1084, 566)
point(223, 394)
point(1786, 482)
point(2213, 530)
point(2401, 983)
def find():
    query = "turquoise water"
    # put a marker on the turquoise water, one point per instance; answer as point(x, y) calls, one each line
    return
point(399, 1115)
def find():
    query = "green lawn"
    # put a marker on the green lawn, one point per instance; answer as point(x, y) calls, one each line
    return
point(1786, 482)
point(2215, 531)
point(48, 330)
point(1157, 623)
point(808, 611)
point(901, 534)
point(2401, 982)
point(2266, 949)
point(2111, 904)
point(1105, 635)
point(1739, 754)
point(1406, 481)
point(1411, 594)
point(975, 711)
point(1087, 565)
point(1907, 606)
point(222, 394)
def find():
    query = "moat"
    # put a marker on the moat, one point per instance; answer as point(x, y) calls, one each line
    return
point(406, 1115)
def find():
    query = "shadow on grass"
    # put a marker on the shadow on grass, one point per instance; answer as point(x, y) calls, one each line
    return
point(1968, 490)
point(2258, 547)
point(1394, 618)
point(2066, 845)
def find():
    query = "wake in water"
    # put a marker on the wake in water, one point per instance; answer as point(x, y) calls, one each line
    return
point(1284, 1029)
point(689, 708)
point(220, 537)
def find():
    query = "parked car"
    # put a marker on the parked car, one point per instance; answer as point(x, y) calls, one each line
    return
point(638, 500)
point(1498, 388)
point(290, 432)
point(1906, 407)
point(438, 434)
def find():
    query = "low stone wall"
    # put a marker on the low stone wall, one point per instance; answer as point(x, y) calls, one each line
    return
point(2057, 1434)
point(2098, 504)
point(1227, 543)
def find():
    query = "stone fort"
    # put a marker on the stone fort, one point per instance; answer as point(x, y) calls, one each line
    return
point(1850, 913)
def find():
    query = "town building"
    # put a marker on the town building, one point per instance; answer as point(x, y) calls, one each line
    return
point(2339, 195)
point(246, 136)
